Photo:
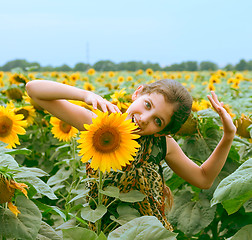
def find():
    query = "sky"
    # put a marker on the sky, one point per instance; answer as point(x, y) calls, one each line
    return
point(57, 32)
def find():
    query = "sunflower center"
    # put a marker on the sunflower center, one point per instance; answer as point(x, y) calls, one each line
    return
point(106, 140)
point(24, 112)
point(64, 127)
point(5, 126)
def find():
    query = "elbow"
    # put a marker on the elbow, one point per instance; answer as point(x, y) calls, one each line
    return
point(29, 88)
point(206, 185)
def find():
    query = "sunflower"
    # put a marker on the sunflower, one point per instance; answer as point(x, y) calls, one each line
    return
point(14, 94)
point(109, 141)
point(62, 130)
point(91, 71)
point(11, 125)
point(149, 71)
point(118, 98)
point(7, 190)
point(88, 86)
point(18, 78)
point(28, 112)
point(111, 74)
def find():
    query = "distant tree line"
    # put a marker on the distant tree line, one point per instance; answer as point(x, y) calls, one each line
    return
point(107, 65)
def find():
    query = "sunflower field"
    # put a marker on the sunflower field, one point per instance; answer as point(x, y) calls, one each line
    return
point(43, 182)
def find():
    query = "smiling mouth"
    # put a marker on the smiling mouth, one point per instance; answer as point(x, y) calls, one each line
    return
point(135, 121)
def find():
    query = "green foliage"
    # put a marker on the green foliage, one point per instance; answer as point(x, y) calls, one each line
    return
point(235, 189)
point(146, 227)
point(26, 225)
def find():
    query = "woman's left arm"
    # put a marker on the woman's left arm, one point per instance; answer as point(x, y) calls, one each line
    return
point(203, 176)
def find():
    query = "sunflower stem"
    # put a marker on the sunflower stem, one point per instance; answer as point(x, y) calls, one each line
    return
point(100, 195)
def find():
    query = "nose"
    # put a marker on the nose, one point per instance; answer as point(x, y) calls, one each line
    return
point(144, 119)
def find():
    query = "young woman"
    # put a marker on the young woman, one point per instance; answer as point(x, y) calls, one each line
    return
point(159, 109)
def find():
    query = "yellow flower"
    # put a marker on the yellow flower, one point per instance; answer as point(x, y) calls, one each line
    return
point(14, 94)
point(129, 78)
point(29, 100)
point(139, 72)
point(28, 113)
point(111, 74)
point(74, 77)
point(1, 74)
point(239, 76)
point(120, 79)
point(91, 71)
point(88, 86)
point(62, 130)
point(187, 77)
point(7, 190)
point(149, 71)
point(109, 141)
point(211, 87)
point(196, 106)
point(10, 126)
point(18, 78)
point(214, 79)
point(119, 99)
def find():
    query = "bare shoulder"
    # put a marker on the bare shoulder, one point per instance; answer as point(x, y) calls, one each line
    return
point(174, 152)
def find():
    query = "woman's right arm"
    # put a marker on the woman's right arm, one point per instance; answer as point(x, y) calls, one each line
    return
point(53, 96)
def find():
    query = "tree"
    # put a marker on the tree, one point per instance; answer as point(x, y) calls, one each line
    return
point(242, 65)
point(21, 63)
point(82, 67)
point(191, 66)
point(106, 65)
point(208, 66)
point(63, 68)
point(229, 67)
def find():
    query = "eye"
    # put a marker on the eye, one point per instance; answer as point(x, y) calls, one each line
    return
point(148, 105)
point(158, 122)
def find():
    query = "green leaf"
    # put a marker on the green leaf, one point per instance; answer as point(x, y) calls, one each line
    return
point(59, 177)
point(81, 195)
point(23, 151)
point(111, 191)
point(93, 215)
point(132, 196)
point(234, 190)
point(146, 227)
point(26, 172)
point(47, 232)
point(8, 161)
point(248, 205)
point(40, 186)
point(101, 237)
point(243, 233)
point(191, 216)
point(78, 233)
point(126, 214)
point(26, 225)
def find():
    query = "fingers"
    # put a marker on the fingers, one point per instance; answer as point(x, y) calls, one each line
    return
point(105, 106)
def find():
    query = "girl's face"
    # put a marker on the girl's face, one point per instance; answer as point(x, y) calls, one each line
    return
point(150, 112)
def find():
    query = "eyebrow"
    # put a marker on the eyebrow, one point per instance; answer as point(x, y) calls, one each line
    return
point(162, 119)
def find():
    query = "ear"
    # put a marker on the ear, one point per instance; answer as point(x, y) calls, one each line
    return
point(137, 92)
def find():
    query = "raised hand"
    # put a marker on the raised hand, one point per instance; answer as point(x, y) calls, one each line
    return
point(228, 125)
point(98, 102)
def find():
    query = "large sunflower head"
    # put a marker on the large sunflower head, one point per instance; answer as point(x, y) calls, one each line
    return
point(62, 130)
point(109, 141)
point(11, 125)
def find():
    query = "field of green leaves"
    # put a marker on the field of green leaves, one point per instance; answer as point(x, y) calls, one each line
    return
point(43, 191)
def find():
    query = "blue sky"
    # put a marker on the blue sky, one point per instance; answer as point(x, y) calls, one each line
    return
point(56, 32)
